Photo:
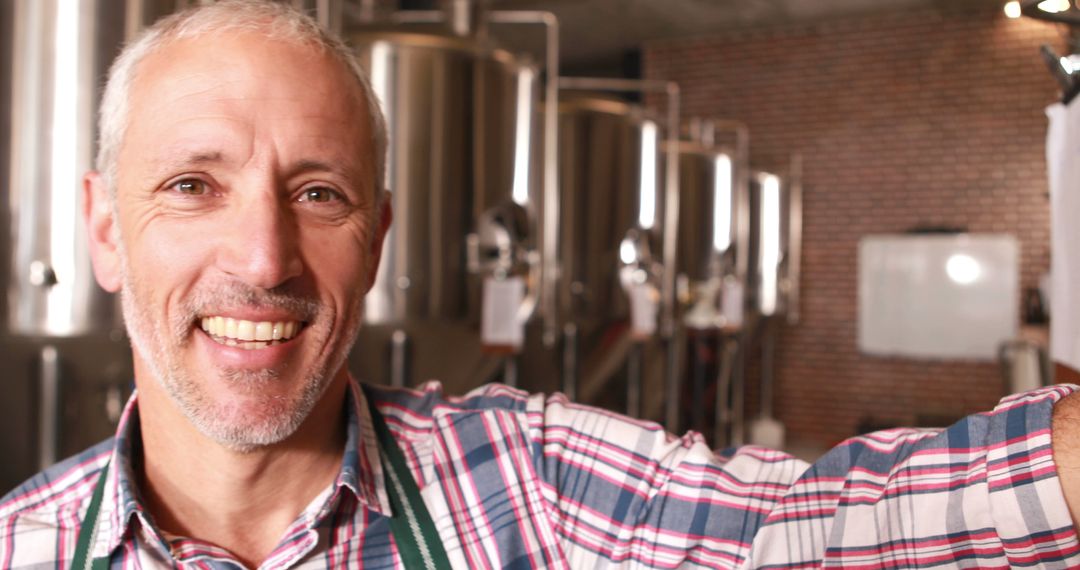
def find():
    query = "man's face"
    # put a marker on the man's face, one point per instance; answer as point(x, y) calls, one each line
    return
point(247, 230)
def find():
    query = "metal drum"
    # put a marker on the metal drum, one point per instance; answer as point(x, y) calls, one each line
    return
point(463, 170)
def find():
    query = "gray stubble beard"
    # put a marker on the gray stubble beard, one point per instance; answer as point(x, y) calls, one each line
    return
point(278, 417)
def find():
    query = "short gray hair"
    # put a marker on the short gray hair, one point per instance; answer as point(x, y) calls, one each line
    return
point(276, 20)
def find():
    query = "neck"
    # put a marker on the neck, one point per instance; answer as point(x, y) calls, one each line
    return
point(240, 501)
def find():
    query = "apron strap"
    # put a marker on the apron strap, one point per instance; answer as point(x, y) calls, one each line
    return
point(88, 530)
point(414, 531)
point(417, 539)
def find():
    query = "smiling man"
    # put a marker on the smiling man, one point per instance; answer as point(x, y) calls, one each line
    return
point(237, 211)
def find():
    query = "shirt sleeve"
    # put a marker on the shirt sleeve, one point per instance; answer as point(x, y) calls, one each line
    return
point(627, 493)
point(983, 493)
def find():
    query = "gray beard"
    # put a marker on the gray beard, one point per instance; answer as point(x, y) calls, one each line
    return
point(276, 417)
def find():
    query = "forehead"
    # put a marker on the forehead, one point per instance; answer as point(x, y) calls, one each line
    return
point(248, 83)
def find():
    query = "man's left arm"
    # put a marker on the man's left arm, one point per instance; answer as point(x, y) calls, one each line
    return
point(1066, 447)
point(985, 492)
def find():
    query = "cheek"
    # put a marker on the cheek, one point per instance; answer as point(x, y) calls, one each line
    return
point(162, 261)
point(337, 258)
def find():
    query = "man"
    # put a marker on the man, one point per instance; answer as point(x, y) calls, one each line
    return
point(236, 210)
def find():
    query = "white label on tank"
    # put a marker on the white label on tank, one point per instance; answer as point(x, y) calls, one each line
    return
point(644, 303)
point(500, 325)
point(731, 303)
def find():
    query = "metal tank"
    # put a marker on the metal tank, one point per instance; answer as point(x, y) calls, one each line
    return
point(712, 278)
point(775, 260)
point(461, 267)
point(613, 197)
point(67, 359)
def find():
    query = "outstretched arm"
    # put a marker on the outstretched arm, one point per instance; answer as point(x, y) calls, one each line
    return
point(1066, 445)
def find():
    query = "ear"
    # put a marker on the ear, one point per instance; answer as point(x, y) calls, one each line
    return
point(102, 230)
point(385, 216)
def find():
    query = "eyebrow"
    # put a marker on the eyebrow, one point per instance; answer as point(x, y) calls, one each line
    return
point(349, 172)
point(198, 158)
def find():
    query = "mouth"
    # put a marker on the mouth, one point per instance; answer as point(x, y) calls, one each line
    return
point(249, 335)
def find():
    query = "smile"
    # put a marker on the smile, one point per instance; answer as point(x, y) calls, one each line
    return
point(249, 335)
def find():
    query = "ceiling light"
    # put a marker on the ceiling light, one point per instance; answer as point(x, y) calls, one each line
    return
point(1012, 9)
point(1054, 6)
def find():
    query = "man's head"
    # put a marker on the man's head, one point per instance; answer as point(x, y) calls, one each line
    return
point(238, 211)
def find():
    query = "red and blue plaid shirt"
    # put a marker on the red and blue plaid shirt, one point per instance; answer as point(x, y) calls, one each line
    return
point(519, 481)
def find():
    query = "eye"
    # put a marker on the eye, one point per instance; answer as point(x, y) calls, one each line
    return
point(318, 194)
point(191, 187)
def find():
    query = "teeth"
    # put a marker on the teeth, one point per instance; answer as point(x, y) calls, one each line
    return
point(264, 331)
point(241, 333)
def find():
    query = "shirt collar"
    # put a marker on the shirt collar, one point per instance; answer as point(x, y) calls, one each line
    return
point(361, 473)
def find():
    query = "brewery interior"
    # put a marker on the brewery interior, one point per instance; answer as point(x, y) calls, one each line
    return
point(778, 222)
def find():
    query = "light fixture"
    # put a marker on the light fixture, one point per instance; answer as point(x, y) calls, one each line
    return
point(963, 269)
point(1012, 9)
point(1054, 6)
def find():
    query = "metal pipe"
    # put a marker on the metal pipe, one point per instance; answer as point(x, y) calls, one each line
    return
point(673, 382)
point(768, 362)
point(465, 17)
point(510, 371)
point(570, 360)
point(633, 380)
point(726, 353)
point(738, 391)
point(697, 383)
point(549, 251)
point(49, 407)
point(365, 13)
point(417, 17)
point(399, 359)
point(328, 13)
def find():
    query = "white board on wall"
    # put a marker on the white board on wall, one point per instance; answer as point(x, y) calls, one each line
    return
point(938, 296)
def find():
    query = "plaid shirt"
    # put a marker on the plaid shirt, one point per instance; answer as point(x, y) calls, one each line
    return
point(518, 481)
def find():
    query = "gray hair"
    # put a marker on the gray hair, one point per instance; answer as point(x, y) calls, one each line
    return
point(276, 20)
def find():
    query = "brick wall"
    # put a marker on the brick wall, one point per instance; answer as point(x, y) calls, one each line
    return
point(932, 117)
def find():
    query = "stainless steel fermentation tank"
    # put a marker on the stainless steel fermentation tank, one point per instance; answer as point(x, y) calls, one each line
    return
point(67, 359)
point(775, 266)
point(618, 199)
point(464, 170)
point(712, 274)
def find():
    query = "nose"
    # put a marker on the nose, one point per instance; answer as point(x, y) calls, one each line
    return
point(261, 247)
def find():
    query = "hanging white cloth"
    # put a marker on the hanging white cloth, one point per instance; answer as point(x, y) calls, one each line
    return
point(1063, 166)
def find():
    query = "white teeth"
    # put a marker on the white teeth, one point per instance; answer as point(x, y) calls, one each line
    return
point(245, 330)
point(264, 331)
point(250, 335)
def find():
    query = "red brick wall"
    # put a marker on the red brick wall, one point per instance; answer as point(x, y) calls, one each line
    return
point(915, 118)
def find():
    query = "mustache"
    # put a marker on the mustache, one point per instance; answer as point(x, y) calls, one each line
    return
point(234, 295)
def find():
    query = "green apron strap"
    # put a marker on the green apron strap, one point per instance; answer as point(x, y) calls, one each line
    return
point(417, 540)
point(88, 530)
